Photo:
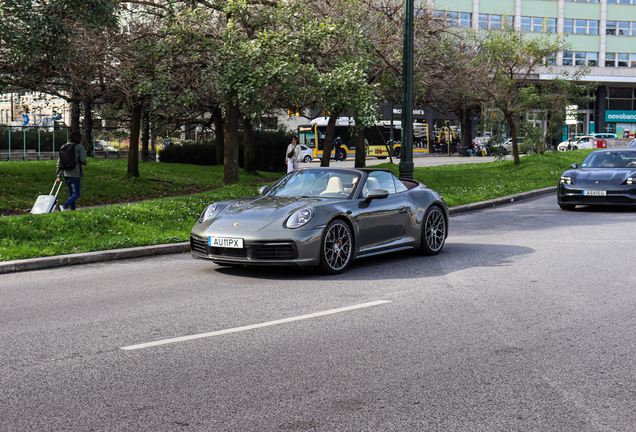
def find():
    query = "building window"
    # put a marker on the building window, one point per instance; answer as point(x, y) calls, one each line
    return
point(610, 28)
point(535, 24)
point(610, 59)
point(620, 98)
point(592, 27)
point(495, 22)
point(454, 19)
point(525, 24)
point(465, 19)
point(568, 26)
point(619, 60)
point(551, 60)
point(633, 61)
point(580, 58)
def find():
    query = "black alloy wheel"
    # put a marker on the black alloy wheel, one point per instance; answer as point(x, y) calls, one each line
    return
point(307, 159)
point(433, 231)
point(336, 249)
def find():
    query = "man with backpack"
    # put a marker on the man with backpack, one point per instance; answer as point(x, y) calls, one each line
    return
point(69, 167)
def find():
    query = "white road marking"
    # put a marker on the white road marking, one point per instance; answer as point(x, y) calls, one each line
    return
point(254, 326)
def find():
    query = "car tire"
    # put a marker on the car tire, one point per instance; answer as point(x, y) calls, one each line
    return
point(307, 159)
point(567, 206)
point(433, 231)
point(575, 148)
point(336, 247)
point(397, 152)
point(341, 155)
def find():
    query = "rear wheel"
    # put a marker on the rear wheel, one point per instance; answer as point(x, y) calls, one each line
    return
point(397, 152)
point(567, 206)
point(307, 159)
point(433, 231)
point(336, 248)
point(340, 154)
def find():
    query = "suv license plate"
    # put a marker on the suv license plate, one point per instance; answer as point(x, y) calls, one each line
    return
point(595, 193)
point(225, 242)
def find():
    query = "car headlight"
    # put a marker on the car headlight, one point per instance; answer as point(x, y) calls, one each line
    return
point(208, 212)
point(300, 218)
point(629, 180)
point(566, 180)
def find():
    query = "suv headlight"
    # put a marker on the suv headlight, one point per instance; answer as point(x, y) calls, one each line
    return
point(300, 218)
point(208, 212)
point(566, 180)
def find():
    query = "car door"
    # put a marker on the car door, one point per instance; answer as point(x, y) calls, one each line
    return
point(380, 221)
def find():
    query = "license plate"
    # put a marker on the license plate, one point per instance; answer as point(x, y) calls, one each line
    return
point(595, 193)
point(225, 242)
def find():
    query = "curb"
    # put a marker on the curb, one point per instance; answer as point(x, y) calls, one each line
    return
point(499, 201)
point(142, 251)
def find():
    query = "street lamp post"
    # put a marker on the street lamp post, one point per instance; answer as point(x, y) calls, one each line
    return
point(406, 159)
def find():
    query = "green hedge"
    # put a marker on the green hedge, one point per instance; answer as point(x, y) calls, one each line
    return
point(269, 148)
point(32, 138)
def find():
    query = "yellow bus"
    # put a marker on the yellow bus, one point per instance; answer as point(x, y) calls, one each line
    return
point(377, 138)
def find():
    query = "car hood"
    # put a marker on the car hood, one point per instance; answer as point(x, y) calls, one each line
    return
point(611, 176)
point(254, 214)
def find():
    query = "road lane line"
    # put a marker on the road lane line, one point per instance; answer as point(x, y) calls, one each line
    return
point(254, 326)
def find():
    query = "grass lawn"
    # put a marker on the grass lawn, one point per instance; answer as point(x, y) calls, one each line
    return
point(168, 198)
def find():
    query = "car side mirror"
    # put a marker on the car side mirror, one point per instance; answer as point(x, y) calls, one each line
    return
point(574, 166)
point(263, 189)
point(377, 194)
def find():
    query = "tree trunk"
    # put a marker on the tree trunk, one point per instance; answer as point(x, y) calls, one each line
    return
point(466, 128)
point(361, 148)
point(145, 135)
point(217, 114)
point(249, 159)
point(133, 149)
point(75, 115)
point(513, 134)
point(328, 143)
point(88, 128)
point(231, 147)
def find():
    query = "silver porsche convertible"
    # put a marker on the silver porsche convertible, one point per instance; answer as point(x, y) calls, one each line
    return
point(323, 217)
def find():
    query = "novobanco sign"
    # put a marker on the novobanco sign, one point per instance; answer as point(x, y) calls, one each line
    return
point(620, 116)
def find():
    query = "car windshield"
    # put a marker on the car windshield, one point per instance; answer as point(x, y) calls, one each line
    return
point(604, 159)
point(325, 183)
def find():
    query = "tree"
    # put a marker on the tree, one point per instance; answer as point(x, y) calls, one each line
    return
point(512, 58)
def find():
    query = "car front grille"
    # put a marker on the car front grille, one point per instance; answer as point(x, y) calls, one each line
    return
point(275, 251)
point(198, 244)
point(256, 250)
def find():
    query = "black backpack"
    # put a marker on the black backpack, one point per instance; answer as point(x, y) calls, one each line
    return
point(68, 160)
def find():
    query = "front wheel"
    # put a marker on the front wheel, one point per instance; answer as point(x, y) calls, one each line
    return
point(433, 231)
point(336, 248)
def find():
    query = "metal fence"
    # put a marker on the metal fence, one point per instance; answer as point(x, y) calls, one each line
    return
point(43, 143)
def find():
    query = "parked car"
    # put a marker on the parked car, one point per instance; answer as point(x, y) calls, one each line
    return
point(306, 154)
point(101, 145)
point(632, 144)
point(578, 142)
point(323, 217)
point(604, 135)
point(605, 177)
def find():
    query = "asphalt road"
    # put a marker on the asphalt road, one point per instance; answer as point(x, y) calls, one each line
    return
point(525, 322)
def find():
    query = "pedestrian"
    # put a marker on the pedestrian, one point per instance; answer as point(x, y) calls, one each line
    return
point(292, 157)
point(72, 175)
point(337, 145)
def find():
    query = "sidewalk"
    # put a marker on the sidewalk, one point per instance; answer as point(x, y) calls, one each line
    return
point(143, 251)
